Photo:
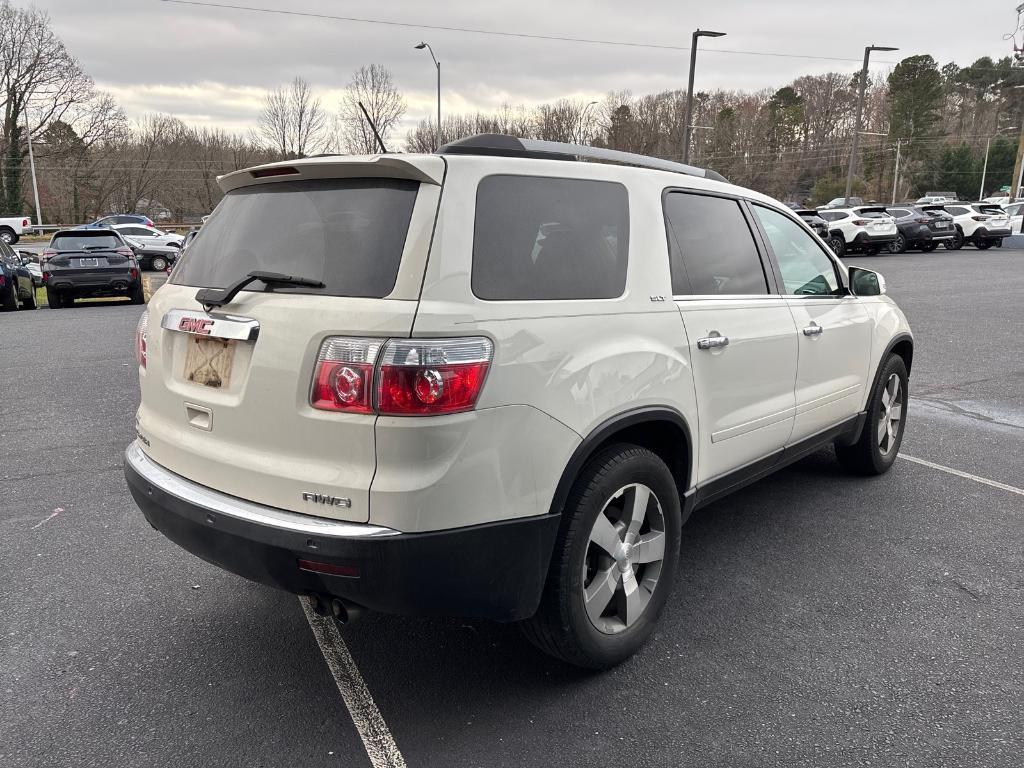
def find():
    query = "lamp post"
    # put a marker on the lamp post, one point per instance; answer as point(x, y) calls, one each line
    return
point(437, 64)
point(583, 118)
point(32, 167)
point(984, 167)
point(860, 113)
point(689, 89)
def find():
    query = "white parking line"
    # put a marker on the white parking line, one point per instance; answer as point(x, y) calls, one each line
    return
point(377, 739)
point(967, 475)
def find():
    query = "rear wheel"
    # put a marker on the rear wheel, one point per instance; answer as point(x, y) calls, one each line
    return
point(982, 243)
point(158, 264)
point(10, 297)
point(8, 235)
point(899, 245)
point(956, 242)
point(54, 300)
point(837, 244)
point(879, 442)
point(614, 560)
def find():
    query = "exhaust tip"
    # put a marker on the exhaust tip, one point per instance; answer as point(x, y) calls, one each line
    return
point(345, 612)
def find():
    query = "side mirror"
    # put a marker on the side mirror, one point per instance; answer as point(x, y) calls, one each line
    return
point(864, 282)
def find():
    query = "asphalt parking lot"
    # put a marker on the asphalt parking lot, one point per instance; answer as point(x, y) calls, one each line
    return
point(818, 619)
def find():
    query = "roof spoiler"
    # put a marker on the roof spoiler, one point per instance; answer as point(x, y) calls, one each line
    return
point(933, 207)
point(871, 209)
point(498, 144)
point(805, 211)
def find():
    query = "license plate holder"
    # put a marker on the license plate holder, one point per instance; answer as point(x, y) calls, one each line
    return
point(88, 262)
point(209, 361)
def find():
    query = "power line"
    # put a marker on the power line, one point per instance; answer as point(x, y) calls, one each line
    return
point(499, 33)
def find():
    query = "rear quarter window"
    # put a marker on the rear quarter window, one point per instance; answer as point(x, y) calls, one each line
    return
point(540, 238)
point(955, 210)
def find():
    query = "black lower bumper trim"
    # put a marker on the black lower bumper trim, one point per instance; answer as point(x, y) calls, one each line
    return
point(494, 571)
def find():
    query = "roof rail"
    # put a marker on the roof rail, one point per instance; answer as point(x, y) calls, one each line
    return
point(511, 146)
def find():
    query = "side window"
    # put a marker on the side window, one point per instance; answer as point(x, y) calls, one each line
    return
point(711, 248)
point(806, 269)
point(549, 238)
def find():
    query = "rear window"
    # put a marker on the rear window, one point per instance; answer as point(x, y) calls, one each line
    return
point(872, 214)
point(85, 240)
point(547, 238)
point(346, 233)
point(832, 215)
point(956, 210)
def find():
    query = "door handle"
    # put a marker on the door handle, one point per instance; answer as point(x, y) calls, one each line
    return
point(813, 330)
point(713, 342)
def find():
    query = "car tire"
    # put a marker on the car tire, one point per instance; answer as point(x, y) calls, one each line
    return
point(982, 244)
point(54, 300)
point(874, 454)
point(8, 235)
point(158, 264)
point(956, 242)
point(137, 295)
point(10, 297)
point(899, 245)
point(929, 247)
point(838, 245)
point(601, 515)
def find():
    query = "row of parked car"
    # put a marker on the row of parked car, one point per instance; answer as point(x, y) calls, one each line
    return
point(871, 229)
point(101, 259)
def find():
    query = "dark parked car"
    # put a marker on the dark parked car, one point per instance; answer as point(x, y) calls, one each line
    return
point(118, 218)
point(81, 263)
point(814, 221)
point(921, 227)
point(15, 281)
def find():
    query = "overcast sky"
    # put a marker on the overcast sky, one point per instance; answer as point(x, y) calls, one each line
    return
point(213, 65)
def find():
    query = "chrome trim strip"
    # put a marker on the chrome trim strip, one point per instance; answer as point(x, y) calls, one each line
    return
point(240, 509)
point(214, 326)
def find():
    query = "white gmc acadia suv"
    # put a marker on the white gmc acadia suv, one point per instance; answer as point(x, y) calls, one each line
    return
point(495, 381)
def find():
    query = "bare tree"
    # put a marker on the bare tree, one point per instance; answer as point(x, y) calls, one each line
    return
point(375, 88)
point(293, 121)
point(37, 71)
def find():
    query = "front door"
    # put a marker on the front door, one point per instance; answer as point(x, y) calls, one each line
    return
point(740, 333)
point(834, 330)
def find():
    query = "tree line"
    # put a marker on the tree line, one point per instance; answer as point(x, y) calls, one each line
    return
point(791, 142)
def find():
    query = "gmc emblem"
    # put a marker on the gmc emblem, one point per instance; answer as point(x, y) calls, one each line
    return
point(201, 325)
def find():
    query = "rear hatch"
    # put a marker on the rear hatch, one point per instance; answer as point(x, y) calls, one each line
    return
point(88, 257)
point(938, 221)
point(226, 391)
point(876, 220)
point(995, 217)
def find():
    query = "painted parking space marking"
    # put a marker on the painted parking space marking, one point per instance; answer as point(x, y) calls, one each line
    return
point(377, 739)
point(967, 475)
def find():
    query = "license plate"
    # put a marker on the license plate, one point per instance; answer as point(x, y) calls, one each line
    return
point(88, 262)
point(941, 224)
point(209, 361)
point(880, 225)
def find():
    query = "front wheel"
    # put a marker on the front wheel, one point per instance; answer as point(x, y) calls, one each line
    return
point(614, 560)
point(899, 245)
point(982, 244)
point(158, 264)
point(837, 244)
point(879, 442)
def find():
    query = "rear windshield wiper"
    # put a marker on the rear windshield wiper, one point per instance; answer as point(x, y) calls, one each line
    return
point(218, 297)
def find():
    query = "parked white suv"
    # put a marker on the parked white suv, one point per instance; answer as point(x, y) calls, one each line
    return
point(867, 229)
point(980, 224)
point(495, 381)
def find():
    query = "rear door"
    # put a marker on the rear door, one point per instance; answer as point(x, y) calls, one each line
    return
point(834, 331)
point(740, 332)
point(226, 393)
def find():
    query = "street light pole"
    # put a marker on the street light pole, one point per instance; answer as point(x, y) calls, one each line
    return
point(689, 89)
point(860, 113)
point(437, 64)
point(583, 119)
point(896, 170)
point(32, 167)
point(984, 167)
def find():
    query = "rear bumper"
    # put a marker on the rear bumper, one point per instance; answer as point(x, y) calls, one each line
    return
point(986, 232)
point(494, 571)
point(865, 238)
point(93, 283)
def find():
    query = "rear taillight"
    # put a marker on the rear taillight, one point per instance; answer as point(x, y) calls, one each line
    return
point(415, 377)
point(134, 272)
point(979, 218)
point(923, 220)
point(141, 331)
point(343, 379)
point(26, 223)
point(46, 277)
point(124, 251)
point(432, 376)
point(3, 281)
point(47, 253)
point(861, 222)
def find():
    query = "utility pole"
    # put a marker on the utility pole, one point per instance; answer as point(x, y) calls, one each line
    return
point(860, 113)
point(1015, 189)
point(896, 170)
point(32, 167)
point(687, 128)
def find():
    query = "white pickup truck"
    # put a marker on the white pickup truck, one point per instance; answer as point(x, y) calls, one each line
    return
point(13, 227)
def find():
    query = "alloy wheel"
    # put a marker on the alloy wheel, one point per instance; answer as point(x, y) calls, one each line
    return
point(890, 419)
point(624, 556)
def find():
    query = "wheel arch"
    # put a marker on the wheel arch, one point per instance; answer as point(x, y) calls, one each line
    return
point(660, 429)
point(901, 344)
